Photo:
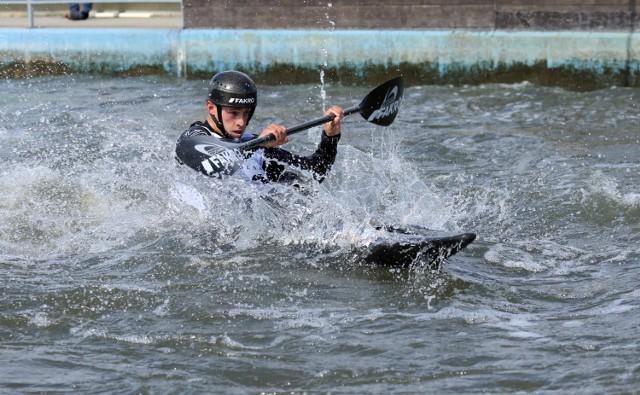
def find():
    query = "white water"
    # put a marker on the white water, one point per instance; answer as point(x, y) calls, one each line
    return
point(124, 272)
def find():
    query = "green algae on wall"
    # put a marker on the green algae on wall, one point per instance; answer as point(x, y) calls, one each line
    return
point(578, 60)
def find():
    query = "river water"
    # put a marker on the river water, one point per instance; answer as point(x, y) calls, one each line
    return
point(123, 272)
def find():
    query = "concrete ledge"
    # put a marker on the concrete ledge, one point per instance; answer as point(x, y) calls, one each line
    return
point(582, 60)
point(107, 18)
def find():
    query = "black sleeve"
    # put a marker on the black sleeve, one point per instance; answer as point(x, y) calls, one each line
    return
point(197, 148)
point(319, 163)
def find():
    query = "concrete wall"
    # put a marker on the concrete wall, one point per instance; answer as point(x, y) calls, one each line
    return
point(574, 59)
point(581, 44)
point(541, 15)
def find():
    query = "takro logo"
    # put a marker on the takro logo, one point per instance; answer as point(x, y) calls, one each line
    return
point(389, 106)
point(238, 100)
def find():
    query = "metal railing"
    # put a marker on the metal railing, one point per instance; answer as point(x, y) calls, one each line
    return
point(30, 3)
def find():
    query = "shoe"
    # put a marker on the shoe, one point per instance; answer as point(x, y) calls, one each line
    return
point(77, 16)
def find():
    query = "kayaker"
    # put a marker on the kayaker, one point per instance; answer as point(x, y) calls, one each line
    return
point(230, 106)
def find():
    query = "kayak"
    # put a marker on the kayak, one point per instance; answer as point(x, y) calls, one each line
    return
point(417, 247)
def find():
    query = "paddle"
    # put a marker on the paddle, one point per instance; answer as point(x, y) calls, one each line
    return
point(379, 107)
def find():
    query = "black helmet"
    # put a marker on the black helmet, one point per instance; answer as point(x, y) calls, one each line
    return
point(232, 89)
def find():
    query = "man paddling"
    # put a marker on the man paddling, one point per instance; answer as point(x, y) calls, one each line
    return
point(230, 105)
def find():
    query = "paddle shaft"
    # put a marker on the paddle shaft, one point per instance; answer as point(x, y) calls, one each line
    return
point(295, 129)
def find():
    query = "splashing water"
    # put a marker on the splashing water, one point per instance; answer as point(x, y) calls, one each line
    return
point(102, 179)
point(111, 250)
point(324, 65)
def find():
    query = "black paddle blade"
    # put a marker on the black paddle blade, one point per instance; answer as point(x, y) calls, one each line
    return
point(382, 104)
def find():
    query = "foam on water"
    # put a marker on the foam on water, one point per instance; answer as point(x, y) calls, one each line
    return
point(609, 189)
point(112, 251)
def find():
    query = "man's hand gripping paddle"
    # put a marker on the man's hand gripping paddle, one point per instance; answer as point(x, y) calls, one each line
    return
point(379, 107)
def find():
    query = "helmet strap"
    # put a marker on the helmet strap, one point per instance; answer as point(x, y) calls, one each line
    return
point(253, 109)
point(219, 124)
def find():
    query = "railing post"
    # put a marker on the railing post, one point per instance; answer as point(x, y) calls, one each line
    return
point(30, 13)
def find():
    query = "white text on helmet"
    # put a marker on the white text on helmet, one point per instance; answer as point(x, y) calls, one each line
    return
point(237, 100)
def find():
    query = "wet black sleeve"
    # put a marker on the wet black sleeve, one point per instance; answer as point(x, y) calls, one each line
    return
point(319, 163)
point(193, 149)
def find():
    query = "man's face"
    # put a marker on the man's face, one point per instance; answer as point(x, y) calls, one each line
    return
point(235, 120)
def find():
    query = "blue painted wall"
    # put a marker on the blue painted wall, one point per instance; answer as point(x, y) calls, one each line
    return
point(430, 55)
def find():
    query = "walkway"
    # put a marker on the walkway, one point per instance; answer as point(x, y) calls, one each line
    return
point(140, 20)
